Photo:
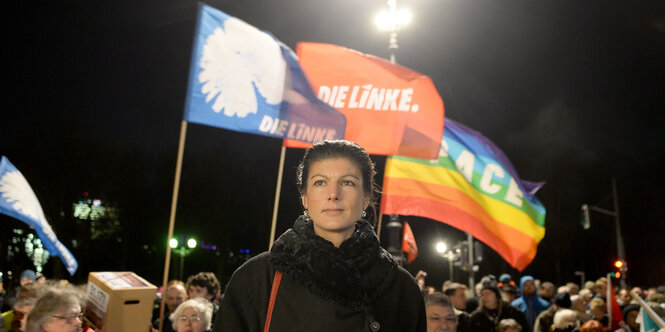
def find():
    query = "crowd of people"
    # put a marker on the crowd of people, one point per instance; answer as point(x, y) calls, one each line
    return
point(504, 305)
point(39, 305)
point(500, 305)
point(329, 273)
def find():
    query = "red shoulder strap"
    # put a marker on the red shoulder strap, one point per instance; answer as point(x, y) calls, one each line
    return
point(276, 280)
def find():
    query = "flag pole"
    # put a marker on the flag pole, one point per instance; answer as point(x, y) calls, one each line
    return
point(654, 316)
point(609, 299)
point(278, 189)
point(378, 229)
point(174, 203)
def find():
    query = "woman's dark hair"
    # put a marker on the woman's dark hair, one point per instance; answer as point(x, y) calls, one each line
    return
point(339, 149)
point(205, 279)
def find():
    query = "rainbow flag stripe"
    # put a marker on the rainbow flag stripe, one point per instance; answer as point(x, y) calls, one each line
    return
point(472, 187)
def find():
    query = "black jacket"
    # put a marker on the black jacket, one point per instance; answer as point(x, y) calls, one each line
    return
point(483, 320)
point(323, 288)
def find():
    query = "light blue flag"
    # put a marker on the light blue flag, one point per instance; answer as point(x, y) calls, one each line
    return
point(646, 323)
point(245, 80)
point(17, 200)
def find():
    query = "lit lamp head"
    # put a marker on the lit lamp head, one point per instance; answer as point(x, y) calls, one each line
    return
point(441, 247)
point(388, 21)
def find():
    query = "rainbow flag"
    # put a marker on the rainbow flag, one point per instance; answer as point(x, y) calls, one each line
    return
point(472, 187)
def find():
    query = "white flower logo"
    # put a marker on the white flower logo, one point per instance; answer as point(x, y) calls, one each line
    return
point(15, 189)
point(237, 60)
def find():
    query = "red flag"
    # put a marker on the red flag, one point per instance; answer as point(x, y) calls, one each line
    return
point(616, 317)
point(389, 109)
point(409, 244)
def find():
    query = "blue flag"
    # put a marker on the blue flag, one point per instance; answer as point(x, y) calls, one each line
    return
point(17, 200)
point(245, 80)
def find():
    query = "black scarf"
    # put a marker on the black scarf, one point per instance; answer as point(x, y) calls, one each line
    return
point(353, 275)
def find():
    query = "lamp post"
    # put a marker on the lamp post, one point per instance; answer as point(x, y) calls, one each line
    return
point(392, 21)
point(182, 251)
point(621, 252)
point(441, 248)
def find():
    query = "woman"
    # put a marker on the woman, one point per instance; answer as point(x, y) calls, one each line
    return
point(57, 310)
point(193, 315)
point(335, 275)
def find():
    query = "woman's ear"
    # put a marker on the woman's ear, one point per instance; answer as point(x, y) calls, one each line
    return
point(303, 199)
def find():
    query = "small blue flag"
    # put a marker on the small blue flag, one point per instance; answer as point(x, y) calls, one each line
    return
point(246, 80)
point(17, 200)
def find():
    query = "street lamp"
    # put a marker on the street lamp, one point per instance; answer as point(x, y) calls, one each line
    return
point(621, 253)
point(182, 251)
point(392, 21)
point(441, 248)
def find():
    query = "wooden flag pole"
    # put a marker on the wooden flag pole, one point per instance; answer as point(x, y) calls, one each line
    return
point(174, 203)
point(278, 189)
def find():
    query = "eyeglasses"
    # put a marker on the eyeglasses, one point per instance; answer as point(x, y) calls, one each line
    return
point(192, 319)
point(70, 318)
point(20, 314)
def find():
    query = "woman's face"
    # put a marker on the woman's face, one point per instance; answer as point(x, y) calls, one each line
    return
point(190, 321)
point(64, 321)
point(334, 198)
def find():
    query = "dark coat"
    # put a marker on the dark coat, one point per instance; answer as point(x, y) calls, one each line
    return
point(483, 320)
point(323, 288)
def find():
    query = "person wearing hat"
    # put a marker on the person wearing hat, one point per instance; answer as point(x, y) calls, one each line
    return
point(546, 318)
point(26, 277)
point(492, 309)
point(530, 303)
point(629, 315)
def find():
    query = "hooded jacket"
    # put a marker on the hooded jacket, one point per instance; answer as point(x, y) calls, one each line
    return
point(323, 288)
point(531, 306)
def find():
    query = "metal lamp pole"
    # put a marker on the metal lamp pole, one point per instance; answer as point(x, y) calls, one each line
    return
point(621, 252)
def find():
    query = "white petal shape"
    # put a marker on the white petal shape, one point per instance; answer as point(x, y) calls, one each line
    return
point(237, 60)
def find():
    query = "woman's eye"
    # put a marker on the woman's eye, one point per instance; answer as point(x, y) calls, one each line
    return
point(348, 183)
point(319, 183)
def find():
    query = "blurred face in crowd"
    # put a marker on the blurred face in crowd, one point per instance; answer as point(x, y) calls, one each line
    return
point(597, 314)
point(529, 288)
point(24, 281)
point(547, 290)
point(175, 295)
point(458, 299)
point(190, 321)
point(20, 318)
point(65, 321)
point(195, 291)
point(580, 304)
point(488, 299)
point(624, 296)
point(601, 288)
point(441, 319)
point(334, 198)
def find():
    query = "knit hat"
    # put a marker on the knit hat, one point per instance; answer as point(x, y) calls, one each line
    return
point(562, 300)
point(489, 282)
point(30, 274)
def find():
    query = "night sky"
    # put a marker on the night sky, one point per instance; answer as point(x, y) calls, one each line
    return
point(573, 92)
